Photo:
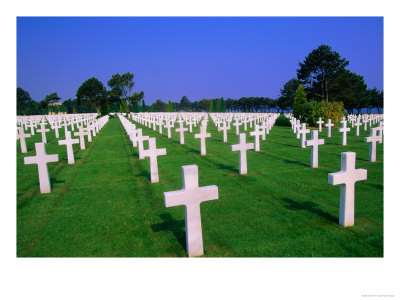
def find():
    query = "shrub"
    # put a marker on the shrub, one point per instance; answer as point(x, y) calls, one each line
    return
point(334, 111)
point(282, 121)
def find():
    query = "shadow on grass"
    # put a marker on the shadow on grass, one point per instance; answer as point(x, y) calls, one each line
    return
point(53, 181)
point(295, 162)
point(308, 206)
point(170, 224)
point(143, 173)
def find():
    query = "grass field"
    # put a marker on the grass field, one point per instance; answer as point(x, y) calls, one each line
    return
point(105, 205)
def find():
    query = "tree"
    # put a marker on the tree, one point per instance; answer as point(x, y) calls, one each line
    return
point(91, 92)
point(143, 107)
point(375, 99)
point(351, 89)
point(218, 106)
point(288, 92)
point(121, 85)
point(169, 106)
point(23, 101)
point(299, 100)
point(223, 105)
point(211, 106)
point(160, 106)
point(318, 70)
point(136, 98)
point(204, 104)
point(185, 104)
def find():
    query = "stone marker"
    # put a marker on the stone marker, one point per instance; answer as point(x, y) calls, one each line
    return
point(225, 128)
point(153, 152)
point(242, 147)
point(358, 124)
point(320, 122)
point(344, 130)
point(140, 138)
point(181, 131)
point(69, 142)
point(314, 142)
point(256, 133)
point(43, 131)
point(21, 136)
point(202, 136)
point(329, 125)
point(56, 126)
point(303, 131)
point(373, 139)
point(41, 159)
point(81, 133)
point(237, 124)
point(191, 196)
point(347, 177)
point(169, 125)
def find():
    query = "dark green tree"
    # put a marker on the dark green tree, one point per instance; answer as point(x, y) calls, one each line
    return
point(318, 71)
point(136, 98)
point(143, 106)
point(288, 92)
point(91, 92)
point(375, 99)
point(184, 104)
point(300, 100)
point(160, 106)
point(121, 85)
point(24, 102)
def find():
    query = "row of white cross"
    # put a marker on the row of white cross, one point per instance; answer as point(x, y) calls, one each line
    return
point(41, 159)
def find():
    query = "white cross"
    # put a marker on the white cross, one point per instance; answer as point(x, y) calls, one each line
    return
point(242, 147)
point(225, 128)
point(191, 196)
point(88, 131)
point(296, 128)
point(21, 136)
point(344, 130)
point(43, 131)
point(56, 126)
point(358, 124)
point(202, 136)
point(140, 138)
point(329, 125)
point(41, 160)
point(153, 152)
point(168, 125)
point(160, 125)
point(69, 142)
point(190, 123)
point(256, 133)
point(181, 131)
point(303, 131)
point(32, 126)
point(314, 142)
point(380, 130)
point(265, 128)
point(347, 177)
point(237, 124)
point(373, 139)
point(320, 122)
point(81, 133)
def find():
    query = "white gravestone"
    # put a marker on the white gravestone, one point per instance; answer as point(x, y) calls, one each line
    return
point(191, 196)
point(69, 142)
point(225, 128)
point(56, 127)
point(347, 177)
point(344, 130)
point(41, 159)
point(320, 122)
point(373, 139)
point(303, 131)
point(153, 152)
point(237, 124)
point(329, 125)
point(43, 131)
point(21, 136)
point(358, 124)
point(181, 131)
point(256, 133)
point(140, 138)
point(242, 147)
point(81, 133)
point(202, 136)
point(169, 125)
point(314, 142)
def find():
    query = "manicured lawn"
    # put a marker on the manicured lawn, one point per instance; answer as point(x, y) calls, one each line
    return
point(105, 205)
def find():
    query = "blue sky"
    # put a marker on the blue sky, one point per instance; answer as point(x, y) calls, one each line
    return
point(200, 57)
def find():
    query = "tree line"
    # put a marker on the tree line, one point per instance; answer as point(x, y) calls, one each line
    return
point(323, 74)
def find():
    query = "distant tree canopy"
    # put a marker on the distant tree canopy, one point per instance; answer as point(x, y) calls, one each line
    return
point(91, 92)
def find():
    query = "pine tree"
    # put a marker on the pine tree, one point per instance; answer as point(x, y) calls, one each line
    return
point(210, 108)
point(143, 106)
point(299, 100)
point(223, 105)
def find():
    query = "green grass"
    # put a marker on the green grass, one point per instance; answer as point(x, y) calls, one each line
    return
point(105, 205)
